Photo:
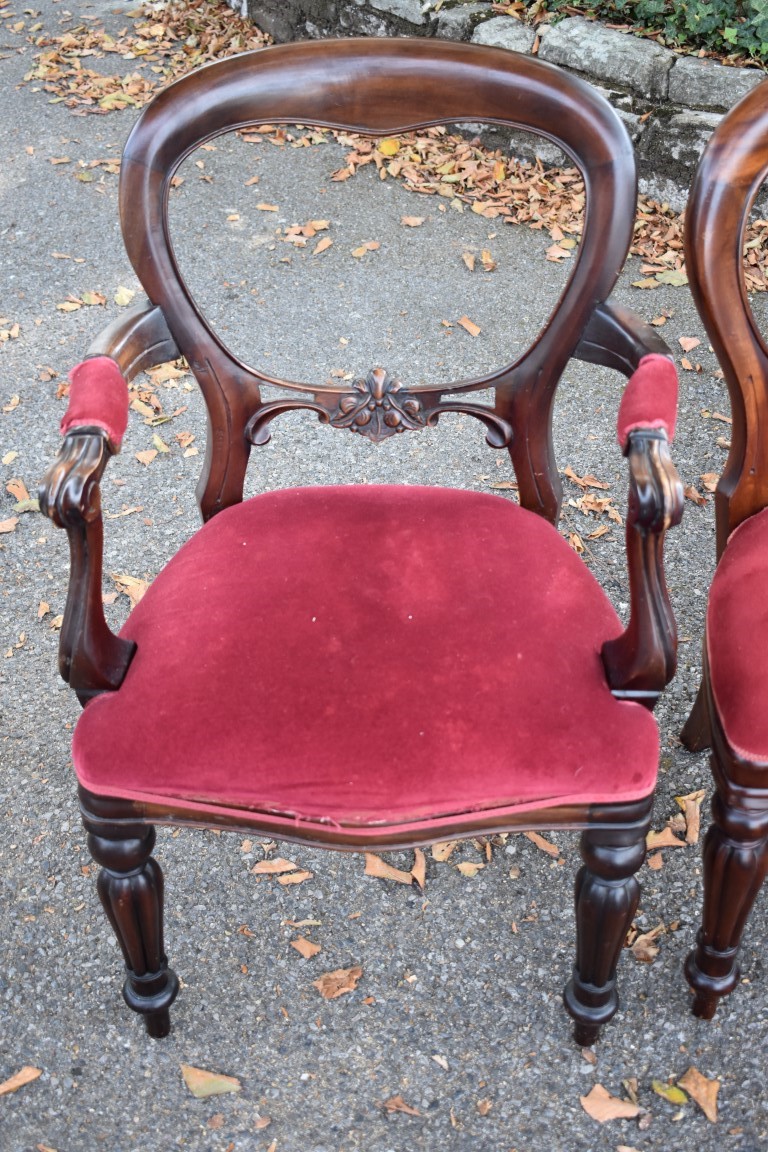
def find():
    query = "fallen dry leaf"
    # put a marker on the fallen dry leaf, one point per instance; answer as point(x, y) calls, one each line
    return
point(664, 839)
point(337, 983)
point(444, 850)
point(322, 246)
point(306, 948)
point(470, 867)
point(412, 221)
point(375, 866)
point(294, 878)
point(691, 806)
point(703, 1091)
point(694, 496)
point(688, 343)
point(419, 870)
point(397, 1104)
point(469, 326)
point(146, 457)
point(24, 1076)
point(202, 1083)
point(644, 947)
point(540, 842)
point(132, 586)
point(601, 1106)
point(8, 525)
point(271, 867)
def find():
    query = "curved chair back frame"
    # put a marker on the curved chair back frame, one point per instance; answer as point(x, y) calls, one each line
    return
point(381, 88)
point(728, 180)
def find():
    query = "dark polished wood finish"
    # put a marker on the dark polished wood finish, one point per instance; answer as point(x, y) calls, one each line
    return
point(732, 169)
point(379, 87)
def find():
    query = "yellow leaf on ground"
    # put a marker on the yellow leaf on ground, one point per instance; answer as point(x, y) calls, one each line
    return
point(123, 296)
point(389, 147)
point(306, 948)
point(469, 326)
point(202, 1083)
point(25, 1076)
point(601, 1106)
point(703, 1091)
point(337, 983)
point(669, 1092)
point(375, 866)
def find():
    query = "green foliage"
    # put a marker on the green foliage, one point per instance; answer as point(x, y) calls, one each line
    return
point(727, 27)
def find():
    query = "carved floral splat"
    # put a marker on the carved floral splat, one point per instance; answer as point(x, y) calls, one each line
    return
point(379, 407)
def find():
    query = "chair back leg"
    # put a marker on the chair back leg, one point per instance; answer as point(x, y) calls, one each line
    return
point(735, 860)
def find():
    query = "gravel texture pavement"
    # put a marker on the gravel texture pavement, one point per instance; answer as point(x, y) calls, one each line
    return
point(458, 1011)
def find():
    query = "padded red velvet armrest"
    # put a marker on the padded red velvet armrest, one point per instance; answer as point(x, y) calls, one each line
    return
point(650, 399)
point(98, 398)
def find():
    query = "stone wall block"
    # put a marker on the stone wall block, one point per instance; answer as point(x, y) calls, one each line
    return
point(613, 57)
point(504, 32)
point(707, 85)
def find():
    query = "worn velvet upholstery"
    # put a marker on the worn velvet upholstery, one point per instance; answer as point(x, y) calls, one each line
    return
point(649, 399)
point(737, 638)
point(294, 658)
point(98, 398)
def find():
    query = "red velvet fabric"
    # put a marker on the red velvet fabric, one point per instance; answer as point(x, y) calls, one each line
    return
point(737, 639)
point(366, 655)
point(650, 399)
point(98, 398)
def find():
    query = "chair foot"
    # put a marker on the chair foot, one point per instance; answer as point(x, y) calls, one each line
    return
point(734, 860)
point(130, 886)
point(607, 893)
point(696, 734)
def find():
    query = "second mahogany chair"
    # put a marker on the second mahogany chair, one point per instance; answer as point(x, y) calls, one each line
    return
point(731, 711)
point(373, 666)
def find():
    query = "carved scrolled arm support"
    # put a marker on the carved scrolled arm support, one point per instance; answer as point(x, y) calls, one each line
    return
point(641, 661)
point(91, 658)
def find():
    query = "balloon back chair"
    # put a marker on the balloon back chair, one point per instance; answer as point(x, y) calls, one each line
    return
point(372, 666)
point(730, 713)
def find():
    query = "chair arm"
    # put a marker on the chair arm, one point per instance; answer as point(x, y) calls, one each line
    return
point(641, 661)
point(91, 658)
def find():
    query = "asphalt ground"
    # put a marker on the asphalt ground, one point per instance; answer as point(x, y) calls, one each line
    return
point(458, 1010)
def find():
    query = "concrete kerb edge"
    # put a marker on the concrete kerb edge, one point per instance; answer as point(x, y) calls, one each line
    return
point(670, 104)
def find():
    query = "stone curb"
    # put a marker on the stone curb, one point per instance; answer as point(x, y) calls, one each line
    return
point(670, 104)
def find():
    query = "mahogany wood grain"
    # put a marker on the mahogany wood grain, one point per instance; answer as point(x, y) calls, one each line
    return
point(379, 87)
point(734, 165)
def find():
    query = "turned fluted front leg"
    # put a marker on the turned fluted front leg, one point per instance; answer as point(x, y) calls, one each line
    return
point(607, 893)
point(130, 886)
point(735, 856)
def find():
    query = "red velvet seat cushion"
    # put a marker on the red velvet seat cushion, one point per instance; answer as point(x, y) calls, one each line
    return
point(369, 655)
point(737, 639)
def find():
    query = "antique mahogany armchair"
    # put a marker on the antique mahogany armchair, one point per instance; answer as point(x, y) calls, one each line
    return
point(492, 685)
point(730, 714)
